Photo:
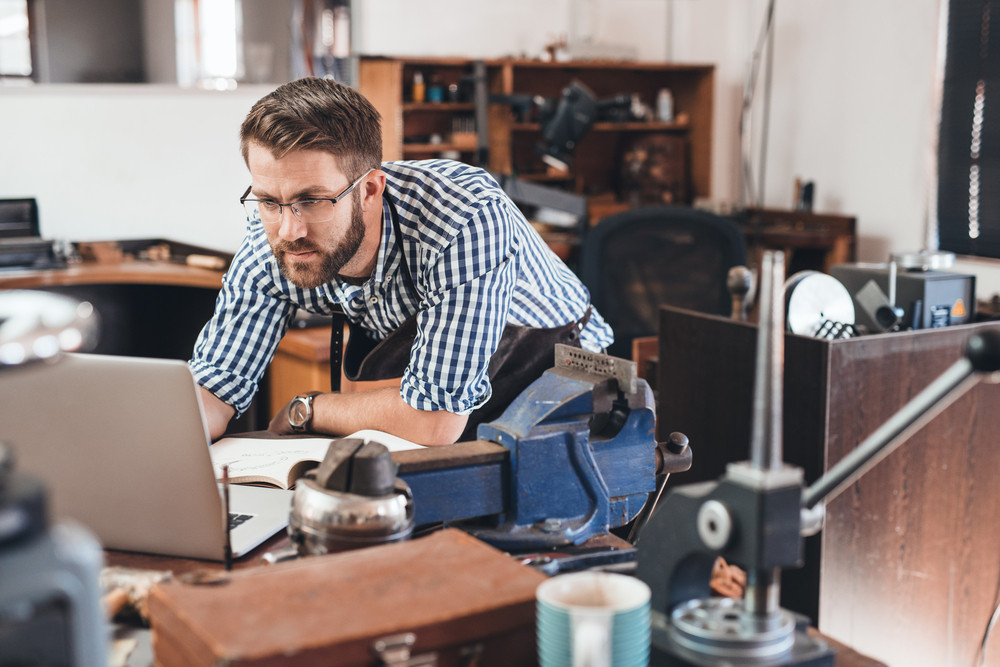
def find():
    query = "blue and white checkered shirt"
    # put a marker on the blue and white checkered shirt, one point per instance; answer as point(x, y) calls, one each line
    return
point(475, 263)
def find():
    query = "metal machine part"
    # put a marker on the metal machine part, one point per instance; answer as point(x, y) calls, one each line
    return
point(572, 457)
point(879, 306)
point(924, 260)
point(50, 604)
point(816, 304)
point(354, 500)
point(740, 283)
point(751, 517)
point(921, 297)
point(672, 456)
point(50, 598)
point(582, 454)
point(324, 521)
point(37, 326)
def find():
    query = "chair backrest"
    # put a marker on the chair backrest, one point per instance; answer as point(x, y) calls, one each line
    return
point(636, 261)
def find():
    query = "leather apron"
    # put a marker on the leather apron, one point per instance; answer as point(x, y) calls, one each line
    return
point(522, 355)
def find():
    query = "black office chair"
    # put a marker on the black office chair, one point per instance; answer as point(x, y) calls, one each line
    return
point(636, 261)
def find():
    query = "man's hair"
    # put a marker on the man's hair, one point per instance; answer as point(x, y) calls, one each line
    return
point(319, 114)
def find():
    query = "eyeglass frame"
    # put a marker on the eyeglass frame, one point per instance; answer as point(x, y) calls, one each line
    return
point(298, 215)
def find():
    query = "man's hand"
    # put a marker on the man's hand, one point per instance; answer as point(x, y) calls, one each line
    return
point(279, 423)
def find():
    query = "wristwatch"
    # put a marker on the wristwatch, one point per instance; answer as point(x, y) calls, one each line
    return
point(300, 411)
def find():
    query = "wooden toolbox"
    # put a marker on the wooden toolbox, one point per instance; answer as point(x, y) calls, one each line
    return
point(446, 596)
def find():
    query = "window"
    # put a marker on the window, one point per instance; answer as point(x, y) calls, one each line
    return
point(15, 44)
point(968, 202)
point(209, 37)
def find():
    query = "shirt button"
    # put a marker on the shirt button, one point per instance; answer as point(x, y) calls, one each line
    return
point(373, 300)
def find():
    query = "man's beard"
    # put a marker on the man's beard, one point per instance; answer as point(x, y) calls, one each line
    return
point(308, 276)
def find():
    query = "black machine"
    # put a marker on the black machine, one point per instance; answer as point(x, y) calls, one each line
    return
point(567, 119)
point(21, 244)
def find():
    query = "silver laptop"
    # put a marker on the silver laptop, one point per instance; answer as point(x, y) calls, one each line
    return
point(122, 447)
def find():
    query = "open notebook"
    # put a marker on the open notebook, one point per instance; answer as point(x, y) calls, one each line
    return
point(122, 447)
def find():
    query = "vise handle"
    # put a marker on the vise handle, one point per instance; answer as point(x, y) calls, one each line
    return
point(673, 455)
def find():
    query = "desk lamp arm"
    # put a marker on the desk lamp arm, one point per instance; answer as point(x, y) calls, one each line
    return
point(982, 356)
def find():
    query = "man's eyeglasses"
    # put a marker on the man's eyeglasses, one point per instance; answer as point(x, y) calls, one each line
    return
point(307, 210)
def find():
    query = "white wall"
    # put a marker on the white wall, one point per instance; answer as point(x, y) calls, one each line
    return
point(854, 111)
point(851, 109)
point(120, 162)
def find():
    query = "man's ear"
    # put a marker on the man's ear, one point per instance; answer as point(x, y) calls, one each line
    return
point(374, 186)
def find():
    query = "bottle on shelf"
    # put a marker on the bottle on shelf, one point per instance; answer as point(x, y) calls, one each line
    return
point(419, 90)
point(665, 106)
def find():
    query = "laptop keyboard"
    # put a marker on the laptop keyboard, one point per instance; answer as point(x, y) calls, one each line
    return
point(236, 519)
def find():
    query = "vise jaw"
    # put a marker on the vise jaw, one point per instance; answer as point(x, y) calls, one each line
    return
point(582, 453)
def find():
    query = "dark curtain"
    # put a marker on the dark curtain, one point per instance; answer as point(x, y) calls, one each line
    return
point(969, 150)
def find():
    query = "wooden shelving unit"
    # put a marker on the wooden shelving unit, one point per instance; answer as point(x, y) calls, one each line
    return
point(415, 129)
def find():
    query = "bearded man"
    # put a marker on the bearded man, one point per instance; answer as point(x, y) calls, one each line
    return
point(443, 282)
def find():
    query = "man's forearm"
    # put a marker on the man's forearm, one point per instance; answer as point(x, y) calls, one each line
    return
point(385, 410)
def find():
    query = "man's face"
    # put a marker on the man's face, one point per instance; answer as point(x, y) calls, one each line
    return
point(308, 254)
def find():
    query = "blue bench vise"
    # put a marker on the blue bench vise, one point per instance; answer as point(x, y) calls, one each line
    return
point(572, 457)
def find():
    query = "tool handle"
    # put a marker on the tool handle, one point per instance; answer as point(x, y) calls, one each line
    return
point(982, 355)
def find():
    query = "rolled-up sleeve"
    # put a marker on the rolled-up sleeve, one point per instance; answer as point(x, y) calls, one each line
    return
point(235, 347)
point(468, 288)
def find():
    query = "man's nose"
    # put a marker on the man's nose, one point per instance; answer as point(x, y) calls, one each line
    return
point(290, 227)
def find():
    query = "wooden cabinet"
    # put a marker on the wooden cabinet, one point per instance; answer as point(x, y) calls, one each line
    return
point(441, 121)
point(810, 241)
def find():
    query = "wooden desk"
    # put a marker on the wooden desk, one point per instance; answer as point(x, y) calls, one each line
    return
point(810, 241)
point(146, 308)
point(905, 568)
point(130, 272)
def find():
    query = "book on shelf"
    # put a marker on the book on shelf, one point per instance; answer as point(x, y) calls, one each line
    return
point(280, 462)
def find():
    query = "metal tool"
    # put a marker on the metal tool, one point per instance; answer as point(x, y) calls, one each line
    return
point(352, 500)
point(740, 283)
point(752, 518)
point(604, 558)
point(572, 457)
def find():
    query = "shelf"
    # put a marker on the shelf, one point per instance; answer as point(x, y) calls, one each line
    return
point(436, 148)
point(597, 168)
point(439, 106)
point(637, 126)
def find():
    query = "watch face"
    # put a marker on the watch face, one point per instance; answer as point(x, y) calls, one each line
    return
point(298, 412)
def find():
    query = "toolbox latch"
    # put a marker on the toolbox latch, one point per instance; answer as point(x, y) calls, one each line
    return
point(394, 651)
